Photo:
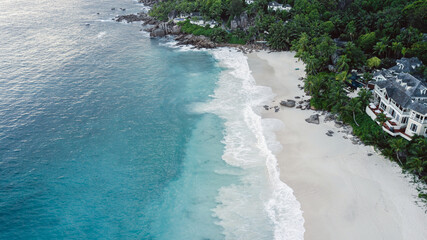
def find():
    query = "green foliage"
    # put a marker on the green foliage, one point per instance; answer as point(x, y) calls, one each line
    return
point(367, 41)
point(235, 7)
point(416, 13)
point(373, 62)
point(418, 49)
point(277, 36)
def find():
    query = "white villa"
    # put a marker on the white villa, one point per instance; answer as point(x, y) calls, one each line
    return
point(249, 1)
point(403, 99)
point(275, 6)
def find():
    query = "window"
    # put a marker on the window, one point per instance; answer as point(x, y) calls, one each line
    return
point(397, 117)
point(404, 120)
point(392, 112)
point(414, 127)
point(382, 106)
point(425, 132)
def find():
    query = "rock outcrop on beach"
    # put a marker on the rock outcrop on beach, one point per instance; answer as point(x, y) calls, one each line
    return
point(288, 103)
point(313, 119)
point(197, 41)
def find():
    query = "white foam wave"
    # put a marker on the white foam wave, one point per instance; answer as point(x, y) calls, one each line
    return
point(261, 206)
point(104, 20)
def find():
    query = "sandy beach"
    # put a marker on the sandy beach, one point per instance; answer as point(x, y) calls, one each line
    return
point(347, 191)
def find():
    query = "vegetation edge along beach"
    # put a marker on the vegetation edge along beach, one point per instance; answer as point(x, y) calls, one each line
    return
point(338, 40)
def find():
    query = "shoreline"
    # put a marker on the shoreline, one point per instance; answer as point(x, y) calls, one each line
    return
point(346, 190)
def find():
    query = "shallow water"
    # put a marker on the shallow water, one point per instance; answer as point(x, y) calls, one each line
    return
point(106, 133)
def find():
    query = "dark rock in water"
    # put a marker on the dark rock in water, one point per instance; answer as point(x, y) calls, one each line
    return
point(299, 106)
point(266, 107)
point(123, 9)
point(134, 17)
point(313, 119)
point(297, 97)
point(113, 9)
point(158, 33)
point(87, 24)
point(370, 154)
point(288, 103)
point(276, 109)
point(97, 13)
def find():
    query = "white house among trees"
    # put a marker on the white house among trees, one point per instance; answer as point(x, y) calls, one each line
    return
point(402, 98)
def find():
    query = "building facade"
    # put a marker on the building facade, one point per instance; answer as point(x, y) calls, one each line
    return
point(403, 99)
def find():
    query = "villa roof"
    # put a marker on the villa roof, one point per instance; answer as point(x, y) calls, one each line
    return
point(419, 107)
point(403, 89)
point(406, 65)
point(384, 72)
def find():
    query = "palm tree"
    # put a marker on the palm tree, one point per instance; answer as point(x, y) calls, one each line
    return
point(416, 165)
point(398, 145)
point(397, 48)
point(342, 63)
point(342, 76)
point(382, 46)
point(355, 105)
point(313, 85)
point(311, 65)
point(364, 96)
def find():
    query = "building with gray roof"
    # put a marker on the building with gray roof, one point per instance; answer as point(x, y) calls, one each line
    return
point(402, 98)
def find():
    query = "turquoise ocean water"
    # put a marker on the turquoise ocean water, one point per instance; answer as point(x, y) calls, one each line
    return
point(108, 134)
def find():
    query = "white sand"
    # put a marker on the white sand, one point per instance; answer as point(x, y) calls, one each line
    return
point(344, 193)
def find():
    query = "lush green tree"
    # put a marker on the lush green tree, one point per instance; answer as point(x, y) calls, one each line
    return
point(236, 7)
point(382, 118)
point(342, 63)
point(355, 55)
point(397, 48)
point(355, 105)
point(398, 145)
point(382, 47)
point(277, 36)
point(367, 41)
point(364, 96)
point(416, 13)
point(327, 27)
point(373, 62)
point(350, 30)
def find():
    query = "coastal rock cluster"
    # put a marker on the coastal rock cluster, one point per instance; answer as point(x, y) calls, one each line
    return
point(198, 41)
point(161, 29)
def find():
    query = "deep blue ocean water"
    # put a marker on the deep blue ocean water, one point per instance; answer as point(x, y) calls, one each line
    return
point(108, 134)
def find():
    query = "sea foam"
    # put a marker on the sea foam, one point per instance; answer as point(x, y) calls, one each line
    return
point(260, 206)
